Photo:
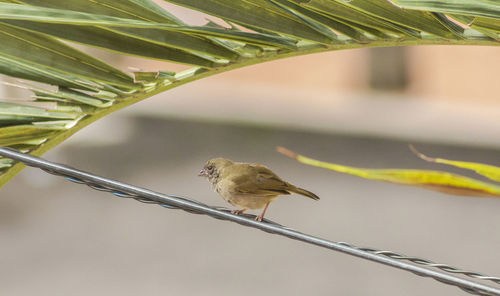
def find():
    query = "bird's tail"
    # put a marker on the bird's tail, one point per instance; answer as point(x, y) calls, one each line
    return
point(305, 193)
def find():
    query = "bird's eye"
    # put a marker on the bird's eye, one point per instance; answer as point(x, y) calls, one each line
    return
point(210, 167)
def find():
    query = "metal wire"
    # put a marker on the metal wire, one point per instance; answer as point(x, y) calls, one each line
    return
point(446, 274)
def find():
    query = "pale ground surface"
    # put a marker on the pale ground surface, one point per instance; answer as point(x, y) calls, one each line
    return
point(59, 238)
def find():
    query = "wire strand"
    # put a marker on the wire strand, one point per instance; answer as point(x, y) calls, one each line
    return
point(445, 273)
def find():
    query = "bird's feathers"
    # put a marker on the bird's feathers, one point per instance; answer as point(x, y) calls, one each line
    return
point(306, 193)
point(248, 185)
point(258, 180)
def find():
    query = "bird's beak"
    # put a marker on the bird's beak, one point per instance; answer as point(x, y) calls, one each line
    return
point(203, 173)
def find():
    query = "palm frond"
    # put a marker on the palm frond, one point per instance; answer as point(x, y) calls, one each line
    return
point(80, 89)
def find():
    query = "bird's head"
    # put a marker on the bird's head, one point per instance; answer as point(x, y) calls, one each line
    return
point(214, 167)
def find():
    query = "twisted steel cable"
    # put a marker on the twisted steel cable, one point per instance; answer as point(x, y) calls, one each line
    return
point(429, 263)
point(446, 274)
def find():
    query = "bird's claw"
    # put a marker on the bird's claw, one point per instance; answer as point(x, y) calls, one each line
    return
point(237, 212)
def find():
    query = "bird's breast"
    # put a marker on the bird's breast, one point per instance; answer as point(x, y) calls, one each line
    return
point(247, 201)
point(250, 201)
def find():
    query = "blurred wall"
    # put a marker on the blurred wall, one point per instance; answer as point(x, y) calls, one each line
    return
point(443, 95)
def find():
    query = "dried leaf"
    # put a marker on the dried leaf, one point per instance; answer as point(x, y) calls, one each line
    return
point(489, 171)
point(435, 180)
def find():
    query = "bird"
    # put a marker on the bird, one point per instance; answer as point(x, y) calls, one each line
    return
point(248, 185)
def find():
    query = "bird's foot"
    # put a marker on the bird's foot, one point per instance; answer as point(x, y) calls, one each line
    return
point(261, 216)
point(237, 212)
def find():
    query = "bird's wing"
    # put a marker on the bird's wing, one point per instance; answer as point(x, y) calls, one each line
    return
point(259, 180)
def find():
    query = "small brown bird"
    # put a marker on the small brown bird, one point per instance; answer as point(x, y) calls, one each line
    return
point(248, 185)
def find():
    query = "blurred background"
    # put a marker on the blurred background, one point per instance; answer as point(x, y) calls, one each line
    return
point(358, 107)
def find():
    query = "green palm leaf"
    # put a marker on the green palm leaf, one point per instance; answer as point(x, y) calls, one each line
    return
point(34, 48)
